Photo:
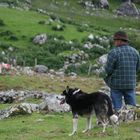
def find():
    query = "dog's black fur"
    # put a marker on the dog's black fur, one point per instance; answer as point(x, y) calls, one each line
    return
point(84, 104)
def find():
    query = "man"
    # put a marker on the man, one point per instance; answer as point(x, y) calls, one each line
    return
point(123, 62)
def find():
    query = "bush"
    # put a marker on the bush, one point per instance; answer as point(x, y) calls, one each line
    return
point(4, 46)
point(80, 29)
point(81, 70)
point(41, 22)
point(53, 17)
point(54, 62)
point(58, 28)
point(2, 22)
point(57, 47)
point(6, 33)
point(13, 38)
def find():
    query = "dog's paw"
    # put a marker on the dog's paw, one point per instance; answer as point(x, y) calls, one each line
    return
point(86, 130)
point(73, 133)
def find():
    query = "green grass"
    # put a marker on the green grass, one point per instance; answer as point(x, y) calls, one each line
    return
point(25, 23)
point(101, 19)
point(56, 126)
point(45, 83)
point(42, 127)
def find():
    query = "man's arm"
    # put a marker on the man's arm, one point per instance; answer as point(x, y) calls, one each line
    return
point(138, 63)
point(110, 65)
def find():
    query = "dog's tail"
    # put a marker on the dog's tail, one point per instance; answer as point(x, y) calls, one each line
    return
point(111, 114)
point(109, 104)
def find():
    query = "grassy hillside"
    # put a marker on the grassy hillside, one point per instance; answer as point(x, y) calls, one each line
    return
point(25, 24)
point(19, 27)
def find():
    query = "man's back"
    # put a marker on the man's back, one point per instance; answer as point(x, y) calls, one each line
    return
point(123, 63)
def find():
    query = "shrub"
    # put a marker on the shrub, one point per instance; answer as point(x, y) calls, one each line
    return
point(2, 22)
point(81, 70)
point(80, 29)
point(135, 42)
point(58, 28)
point(41, 22)
point(53, 17)
point(6, 33)
point(54, 62)
point(4, 46)
point(57, 47)
point(13, 38)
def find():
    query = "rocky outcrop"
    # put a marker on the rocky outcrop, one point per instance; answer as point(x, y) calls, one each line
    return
point(18, 96)
point(127, 113)
point(99, 68)
point(49, 103)
point(128, 9)
point(52, 104)
point(95, 4)
point(19, 109)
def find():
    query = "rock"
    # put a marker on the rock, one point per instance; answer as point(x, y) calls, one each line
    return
point(19, 109)
point(52, 104)
point(87, 46)
point(43, 107)
point(17, 96)
point(127, 113)
point(41, 69)
point(99, 69)
point(40, 39)
point(104, 4)
point(28, 71)
point(127, 9)
point(103, 59)
point(91, 37)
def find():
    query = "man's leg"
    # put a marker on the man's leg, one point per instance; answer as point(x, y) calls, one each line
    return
point(116, 96)
point(130, 97)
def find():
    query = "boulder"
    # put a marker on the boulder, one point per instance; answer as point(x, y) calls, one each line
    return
point(127, 113)
point(127, 9)
point(19, 109)
point(40, 39)
point(104, 4)
point(41, 69)
point(52, 104)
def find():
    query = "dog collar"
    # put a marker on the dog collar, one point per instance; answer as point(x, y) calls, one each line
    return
point(76, 91)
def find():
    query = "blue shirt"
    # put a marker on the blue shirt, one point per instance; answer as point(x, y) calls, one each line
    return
point(122, 64)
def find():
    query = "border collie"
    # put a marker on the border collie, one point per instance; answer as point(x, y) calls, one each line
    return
point(83, 104)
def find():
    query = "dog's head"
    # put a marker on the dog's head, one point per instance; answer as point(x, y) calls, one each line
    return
point(68, 93)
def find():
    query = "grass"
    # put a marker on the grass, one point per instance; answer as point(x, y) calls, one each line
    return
point(56, 126)
point(45, 83)
point(100, 19)
point(25, 23)
point(42, 127)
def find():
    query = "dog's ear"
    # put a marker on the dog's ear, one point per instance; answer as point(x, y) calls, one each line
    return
point(67, 89)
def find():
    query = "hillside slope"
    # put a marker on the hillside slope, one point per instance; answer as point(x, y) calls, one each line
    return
point(67, 26)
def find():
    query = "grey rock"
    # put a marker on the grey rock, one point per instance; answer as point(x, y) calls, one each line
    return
point(128, 9)
point(40, 39)
point(41, 69)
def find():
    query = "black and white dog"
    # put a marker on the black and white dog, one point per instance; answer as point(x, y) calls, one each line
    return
point(86, 105)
